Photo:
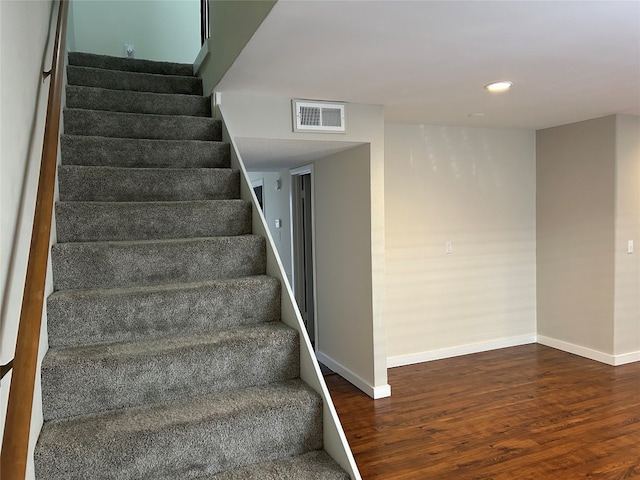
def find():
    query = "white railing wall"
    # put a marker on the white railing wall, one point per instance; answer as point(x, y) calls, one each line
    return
point(335, 441)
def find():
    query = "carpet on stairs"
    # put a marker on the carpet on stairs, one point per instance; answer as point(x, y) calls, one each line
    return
point(167, 356)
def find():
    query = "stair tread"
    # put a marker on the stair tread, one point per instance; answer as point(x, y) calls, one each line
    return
point(169, 171)
point(89, 316)
point(158, 116)
point(165, 143)
point(133, 81)
point(79, 221)
point(127, 101)
point(93, 378)
point(189, 438)
point(129, 64)
point(161, 241)
point(124, 351)
point(96, 292)
point(101, 426)
point(80, 121)
point(93, 150)
point(149, 262)
point(315, 465)
point(158, 203)
point(133, 184)
point(132, 73)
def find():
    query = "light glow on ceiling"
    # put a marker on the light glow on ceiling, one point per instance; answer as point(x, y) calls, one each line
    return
point(499, 87)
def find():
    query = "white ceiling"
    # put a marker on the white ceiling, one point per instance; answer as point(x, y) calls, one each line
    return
point(427, 61)
point(274, 154)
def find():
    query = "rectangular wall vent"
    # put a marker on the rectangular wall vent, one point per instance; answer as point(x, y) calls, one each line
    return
point(314, 116)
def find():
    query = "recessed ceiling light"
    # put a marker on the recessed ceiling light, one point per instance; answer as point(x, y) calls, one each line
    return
point(499, 87)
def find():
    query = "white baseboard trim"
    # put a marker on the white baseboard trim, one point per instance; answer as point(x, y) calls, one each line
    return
point(577, 350)
point(625, 358)
point(430, 355)
point(355, 379)
point(589, 353)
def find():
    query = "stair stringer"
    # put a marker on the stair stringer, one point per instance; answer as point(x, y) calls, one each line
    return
point(334, 439)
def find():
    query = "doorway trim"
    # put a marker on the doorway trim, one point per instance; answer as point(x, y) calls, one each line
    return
point(304, 170)
point(259, 182)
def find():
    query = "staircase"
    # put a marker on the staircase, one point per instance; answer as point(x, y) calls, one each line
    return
point(167, 359)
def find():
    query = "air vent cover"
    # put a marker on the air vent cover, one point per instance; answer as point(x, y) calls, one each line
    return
point(314, 116)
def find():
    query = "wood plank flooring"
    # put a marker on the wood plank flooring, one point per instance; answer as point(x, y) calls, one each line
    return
point(528, 412)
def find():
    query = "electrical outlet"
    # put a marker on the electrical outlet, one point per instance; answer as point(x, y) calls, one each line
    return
point(129, 49)
point(448, 248)
point(630, 246)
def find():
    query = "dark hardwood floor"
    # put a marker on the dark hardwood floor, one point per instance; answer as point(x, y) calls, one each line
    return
point(528, 412)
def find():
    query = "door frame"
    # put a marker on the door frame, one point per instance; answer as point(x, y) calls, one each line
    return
point(258, 182)
point(304, 170)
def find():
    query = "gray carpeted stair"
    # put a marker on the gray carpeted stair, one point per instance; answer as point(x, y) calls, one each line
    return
point(310, 466)
point(83, 59)
point(102, 123)
point(131, 374)
point(137, 102)
point(134, 313)
point(190, 438)
point(117, 184)
point(167, 359)
point(142, 153)
point(108, 221)
point(153, 262)
point(134, 81)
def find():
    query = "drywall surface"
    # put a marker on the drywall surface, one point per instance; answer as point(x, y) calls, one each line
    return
point(575, 233)
point(343, 259)
point(71, 32)
point(24, 27)
point(232, 25)
point(277, 206)
point(166, 30)
point(627, 227)
point(473, 188)
point(270, 118)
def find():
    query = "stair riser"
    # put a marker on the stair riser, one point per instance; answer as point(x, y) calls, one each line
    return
point(118, 264)
point(98, 184)
point(138, 82)
point(102, 316)
point(310, 466)
point(129, 64)
point(137, 102)
point(117, 152)
point(133, 125)
point(96, 221)
point(185, 449)
point(87, 384)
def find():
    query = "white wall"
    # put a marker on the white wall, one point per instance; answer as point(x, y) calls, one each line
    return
point(627, 227)
point(342, 193)
point(23, 95)
point(575, 235)
point(270, 118)
point(474, 188)
point(277, 206)
point(166, 30)
point(342, 204)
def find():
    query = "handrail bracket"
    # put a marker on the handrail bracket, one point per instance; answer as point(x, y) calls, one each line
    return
point(4, 369)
